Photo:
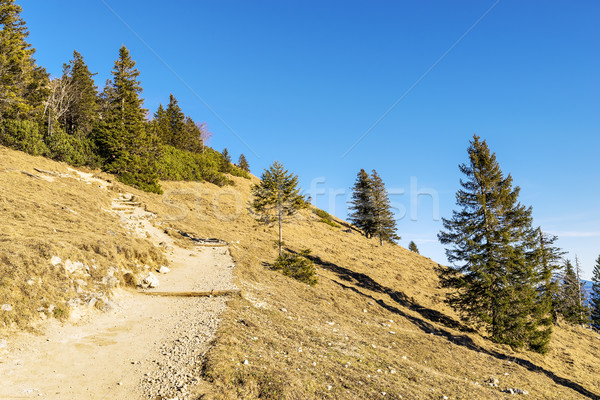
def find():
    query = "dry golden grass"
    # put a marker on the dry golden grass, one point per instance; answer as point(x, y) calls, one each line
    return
point(374, 324)
point(45, 216)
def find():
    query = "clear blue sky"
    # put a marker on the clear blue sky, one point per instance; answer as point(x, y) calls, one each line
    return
point(301, 82)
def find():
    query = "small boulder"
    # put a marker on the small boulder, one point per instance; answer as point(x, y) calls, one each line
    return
point(164, 270)
point(150, 281)
point(6, 307)
point(55, 260)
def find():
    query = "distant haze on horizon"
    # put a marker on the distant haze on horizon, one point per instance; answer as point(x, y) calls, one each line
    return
point(329, 88)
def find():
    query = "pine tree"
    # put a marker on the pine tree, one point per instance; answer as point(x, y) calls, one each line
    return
point(549, 258)
point(194, 136)
point(176, 123)
point(383, 217)
point(23, 85)
point(243, 163)
point(277, 197)
point(161, 125)
point(225, 161)
point(128, 149)
point(361, 206)
point(412, 246)
point(571, 296)
point(82, 111)
point(492, 239)
point(595, 296)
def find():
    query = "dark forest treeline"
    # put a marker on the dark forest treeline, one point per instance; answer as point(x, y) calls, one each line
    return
point(68, 119)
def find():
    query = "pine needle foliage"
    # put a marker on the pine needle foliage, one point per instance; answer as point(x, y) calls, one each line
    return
point(243, 163)
point(370, 209)
point(571, 296)
point(595, 296)
point(297, 266)
point(277, 197)
point(412, 246)
point(492, 244)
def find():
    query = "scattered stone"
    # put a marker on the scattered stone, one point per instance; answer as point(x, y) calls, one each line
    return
point(515, 391)
point(282, 309)
point(55, 260)
point(164, 270)
point(150, 281)
point(3, 343)
point(246, 362)
point(6, 307)
point(110, 281)
point(72, 267)
point(30, 282)
point(493, 382)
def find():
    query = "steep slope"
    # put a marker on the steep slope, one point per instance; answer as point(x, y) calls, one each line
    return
point(375, 326)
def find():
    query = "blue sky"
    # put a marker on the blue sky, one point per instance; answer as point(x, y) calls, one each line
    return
point(301, 82)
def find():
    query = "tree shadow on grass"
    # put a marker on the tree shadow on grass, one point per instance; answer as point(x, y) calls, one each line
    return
point(366, 282)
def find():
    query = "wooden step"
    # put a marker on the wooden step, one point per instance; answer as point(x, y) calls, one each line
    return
point(194, 294)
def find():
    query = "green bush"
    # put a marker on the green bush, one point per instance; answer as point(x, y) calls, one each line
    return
point(297, 266)
point(235, 171)
point(24, 136)
point(72, 150)
point(182, 165)
point(326, 218)
point(133, 170)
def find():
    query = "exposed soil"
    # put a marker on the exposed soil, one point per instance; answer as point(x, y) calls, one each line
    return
point(143, 347)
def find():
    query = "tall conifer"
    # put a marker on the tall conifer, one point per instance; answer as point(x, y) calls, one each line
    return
point(384, 223)
point(571, 295)
point(595, 296)
point(128, 149)
point(243, 163)
point(361, 206)
point(83, 111)
point(23, 84)
point(492, 243)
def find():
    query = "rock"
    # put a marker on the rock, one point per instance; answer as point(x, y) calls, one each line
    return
point(492, 381)
point(55, 260)
point(6, 307)
point(72, 267)
point(3, 343)
point(164, 270)
point(246, 362)
point(150, 281)
point(110, 281)
point(515, 391)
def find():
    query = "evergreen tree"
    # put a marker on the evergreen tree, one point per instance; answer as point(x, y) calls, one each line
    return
point(23, 85)
point(176, 123)
point(361, 206)
point(383, 218)
point(225, 161)
point(194, 136)
point(161, 125)
point(82, 111)
point(595, 296)
point(277, 197)
point(492, 240)
point(412, 246)
point(572, 308)
point(243, 163)
point(128, 149)
point(549, 258)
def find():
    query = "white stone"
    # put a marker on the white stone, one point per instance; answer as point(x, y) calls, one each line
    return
point(73, 266)
point(164, 270)
point(150, 281)
point(55, 260)
point(6, 307)
point(3, 343)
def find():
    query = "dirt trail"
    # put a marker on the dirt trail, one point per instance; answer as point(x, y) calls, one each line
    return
point(146, 347)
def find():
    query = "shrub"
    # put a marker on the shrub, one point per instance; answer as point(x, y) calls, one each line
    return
point(297, 266)
point(71, 149)
point(326, 218)
point(182, 165)
point(24, 136)
point(136, 171)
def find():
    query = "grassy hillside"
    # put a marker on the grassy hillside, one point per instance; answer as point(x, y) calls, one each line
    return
point(375, 325)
